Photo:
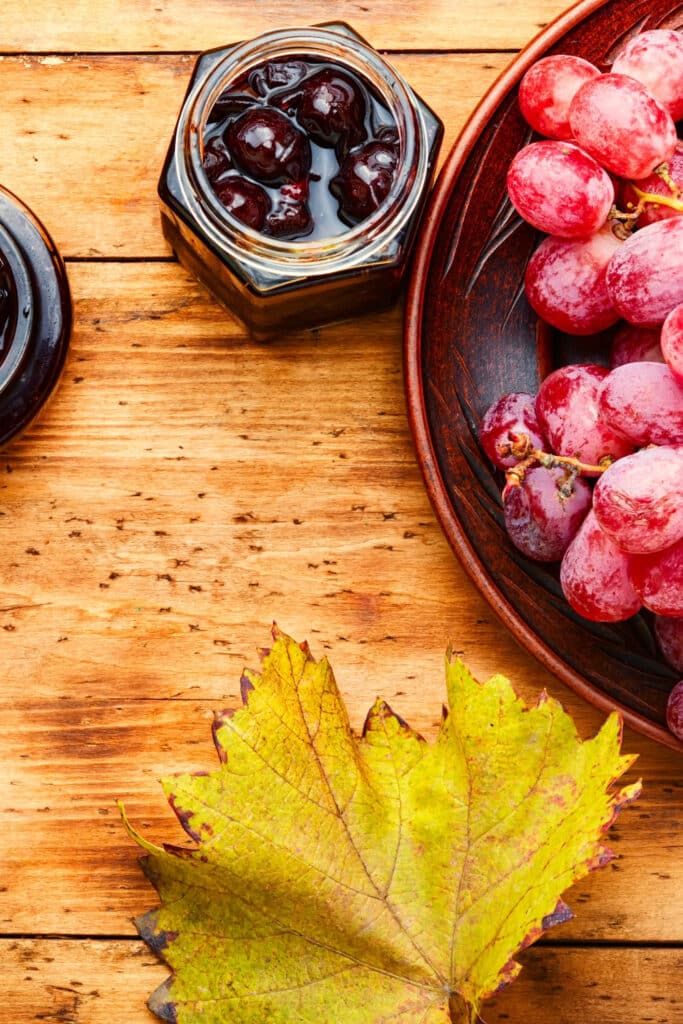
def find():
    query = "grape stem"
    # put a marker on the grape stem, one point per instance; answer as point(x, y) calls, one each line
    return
point(521, 448)
point(663, 172)
point(624, 221)
point(673, 201)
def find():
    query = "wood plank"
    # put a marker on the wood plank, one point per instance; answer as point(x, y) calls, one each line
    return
point(154, 525)
point(100, 982)
point(127, 25)
point(65, 762)
point(90, 170)
point(186, 487)
point(170, 504)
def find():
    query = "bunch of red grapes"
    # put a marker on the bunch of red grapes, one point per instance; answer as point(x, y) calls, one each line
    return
point(594, 461)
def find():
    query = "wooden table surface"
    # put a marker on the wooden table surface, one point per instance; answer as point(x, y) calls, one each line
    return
point(186, 487)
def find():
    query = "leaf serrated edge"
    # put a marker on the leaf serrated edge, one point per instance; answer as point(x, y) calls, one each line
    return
point(611, 733)
point(159, 1002)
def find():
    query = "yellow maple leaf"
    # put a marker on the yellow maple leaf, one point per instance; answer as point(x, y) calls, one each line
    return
point(372, 880)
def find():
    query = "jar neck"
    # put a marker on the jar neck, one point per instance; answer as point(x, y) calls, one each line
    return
point(229, 234)
point(16, 309)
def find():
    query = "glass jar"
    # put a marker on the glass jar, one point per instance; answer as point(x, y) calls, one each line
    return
point(274, 284)
point(35, 316)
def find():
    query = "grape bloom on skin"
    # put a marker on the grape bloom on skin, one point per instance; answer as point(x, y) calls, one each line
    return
point(547, 90)
point(596, 576)
point(512, 415)
point(566, 284)
point(644, 277)
point(638, 500)
point(568, 410)
point(655, 58)
point(644, 403)
point(594, 465)
point(622, 125)
point(560, 189)
point(672, 343)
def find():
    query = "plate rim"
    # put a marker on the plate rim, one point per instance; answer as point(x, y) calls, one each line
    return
point(414, 383)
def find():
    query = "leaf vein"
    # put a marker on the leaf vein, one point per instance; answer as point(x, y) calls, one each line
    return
point(326, 782)
point(239, 896)
point(269, 840)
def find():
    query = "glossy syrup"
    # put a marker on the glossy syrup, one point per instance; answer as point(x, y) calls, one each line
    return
point(322, 202)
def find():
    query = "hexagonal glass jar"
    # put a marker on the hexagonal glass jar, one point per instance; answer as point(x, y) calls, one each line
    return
point(35, 316)
point(273, 284)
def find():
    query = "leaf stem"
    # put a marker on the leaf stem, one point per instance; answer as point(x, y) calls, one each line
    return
point(460, 1011)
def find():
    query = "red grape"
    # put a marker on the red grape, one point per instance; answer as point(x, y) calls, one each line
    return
point(655, 58)
point(610, 145)
point(565, 282)
point(633, 344)
point(540, 520)
point(672, 342)
point(547, 89)
point(658, 580)
point(669, 636)
point(645, 274)
point(674, 710)
point(616, 120)
point(559, 189)
point(643, 402)
point(512, 414)
point(638, 501)
point(595, 576)
point(568, 412)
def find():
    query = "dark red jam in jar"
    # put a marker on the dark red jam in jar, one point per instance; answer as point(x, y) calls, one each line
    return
point(300, 148)
point(35, 316)
point(295, 181)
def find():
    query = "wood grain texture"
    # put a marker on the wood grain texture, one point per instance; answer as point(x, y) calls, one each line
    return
point(100, 982)
point(185, 488)
point(126, 25)
point(90, 169)
point(67, 760)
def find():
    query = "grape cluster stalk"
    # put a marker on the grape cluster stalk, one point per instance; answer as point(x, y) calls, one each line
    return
point(593, 462)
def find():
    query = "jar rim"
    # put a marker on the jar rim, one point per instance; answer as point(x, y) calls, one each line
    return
point(348, 50)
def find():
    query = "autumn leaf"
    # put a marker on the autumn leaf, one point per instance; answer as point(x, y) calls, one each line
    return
point(372, 880)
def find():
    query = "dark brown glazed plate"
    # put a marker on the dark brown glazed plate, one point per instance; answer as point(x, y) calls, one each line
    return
point(470, 337)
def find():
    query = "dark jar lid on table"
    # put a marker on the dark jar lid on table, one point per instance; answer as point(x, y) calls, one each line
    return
point(298, 245)
point(35, 316)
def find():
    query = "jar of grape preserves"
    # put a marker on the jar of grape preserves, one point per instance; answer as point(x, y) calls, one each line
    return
point(296, 177)
point(35, 316)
